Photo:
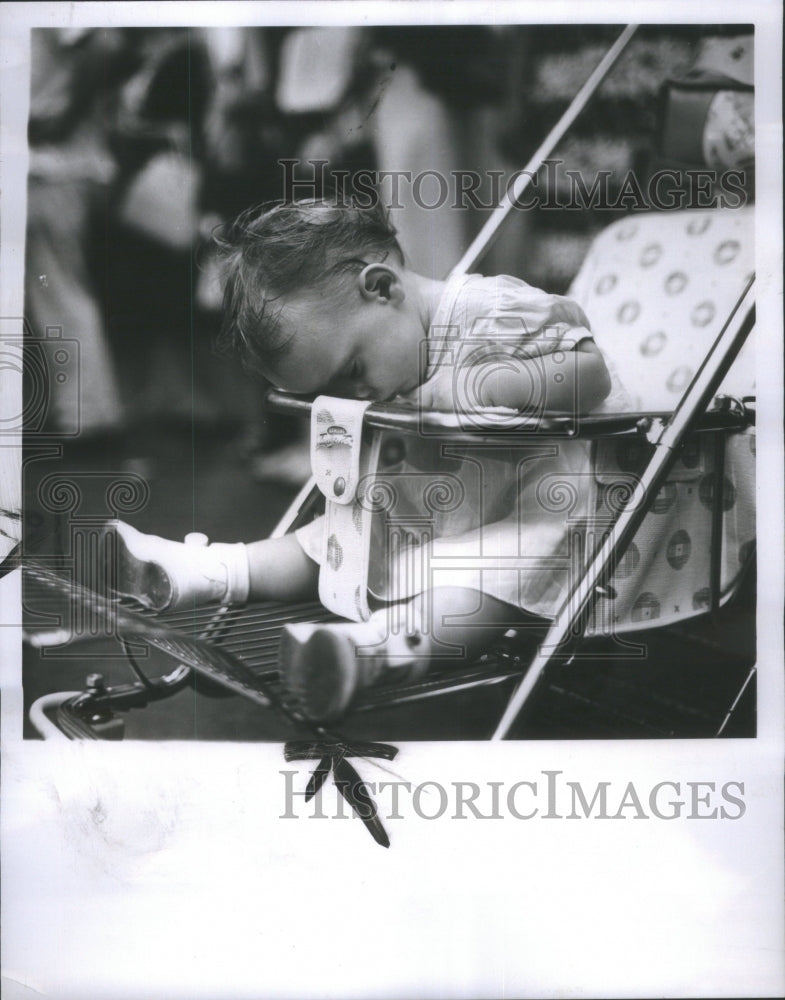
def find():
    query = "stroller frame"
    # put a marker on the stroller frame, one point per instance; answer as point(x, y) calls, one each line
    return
point(665, 431)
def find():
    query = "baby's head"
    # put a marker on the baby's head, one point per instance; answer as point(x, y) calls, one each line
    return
point(318, 299)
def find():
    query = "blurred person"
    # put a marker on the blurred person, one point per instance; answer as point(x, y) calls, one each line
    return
point(74, 76)
point(420, 101)
point(441, 93)
point(153, 226)
point(244, 135)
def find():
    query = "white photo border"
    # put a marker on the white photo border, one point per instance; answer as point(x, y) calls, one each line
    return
point(167, 870)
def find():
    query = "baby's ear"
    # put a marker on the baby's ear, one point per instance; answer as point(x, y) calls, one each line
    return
point(380, 282)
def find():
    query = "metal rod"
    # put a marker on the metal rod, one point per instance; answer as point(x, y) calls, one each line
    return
point(485, 426)
point(736, 700)
point(38, 719)
point(717, 523)
point(484, 239)
point(290, 515)
point(580, 600)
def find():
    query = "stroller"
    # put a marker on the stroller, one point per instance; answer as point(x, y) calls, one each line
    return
point(670, 535)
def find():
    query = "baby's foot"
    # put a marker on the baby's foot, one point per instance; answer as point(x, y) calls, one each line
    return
point(162, 574)
point(326, 666)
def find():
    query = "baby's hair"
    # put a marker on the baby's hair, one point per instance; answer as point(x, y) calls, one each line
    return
point(282, 247)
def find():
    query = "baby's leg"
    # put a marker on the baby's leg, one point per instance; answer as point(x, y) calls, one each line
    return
point(325, 666)
point(163, 574)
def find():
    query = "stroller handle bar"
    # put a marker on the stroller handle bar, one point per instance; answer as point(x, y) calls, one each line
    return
point(484, 239)
point(490, 424)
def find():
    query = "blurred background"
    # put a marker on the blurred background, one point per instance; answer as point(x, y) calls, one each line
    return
point(142, 141)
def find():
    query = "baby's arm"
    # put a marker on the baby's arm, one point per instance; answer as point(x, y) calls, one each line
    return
point(573, 381)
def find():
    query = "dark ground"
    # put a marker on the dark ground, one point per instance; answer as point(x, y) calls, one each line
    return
point(682, 686)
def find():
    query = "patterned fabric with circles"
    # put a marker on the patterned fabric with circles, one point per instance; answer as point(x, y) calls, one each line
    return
point(657, 289)
point(665, 573)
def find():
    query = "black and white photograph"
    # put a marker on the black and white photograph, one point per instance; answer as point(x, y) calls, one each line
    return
point(391, 407)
